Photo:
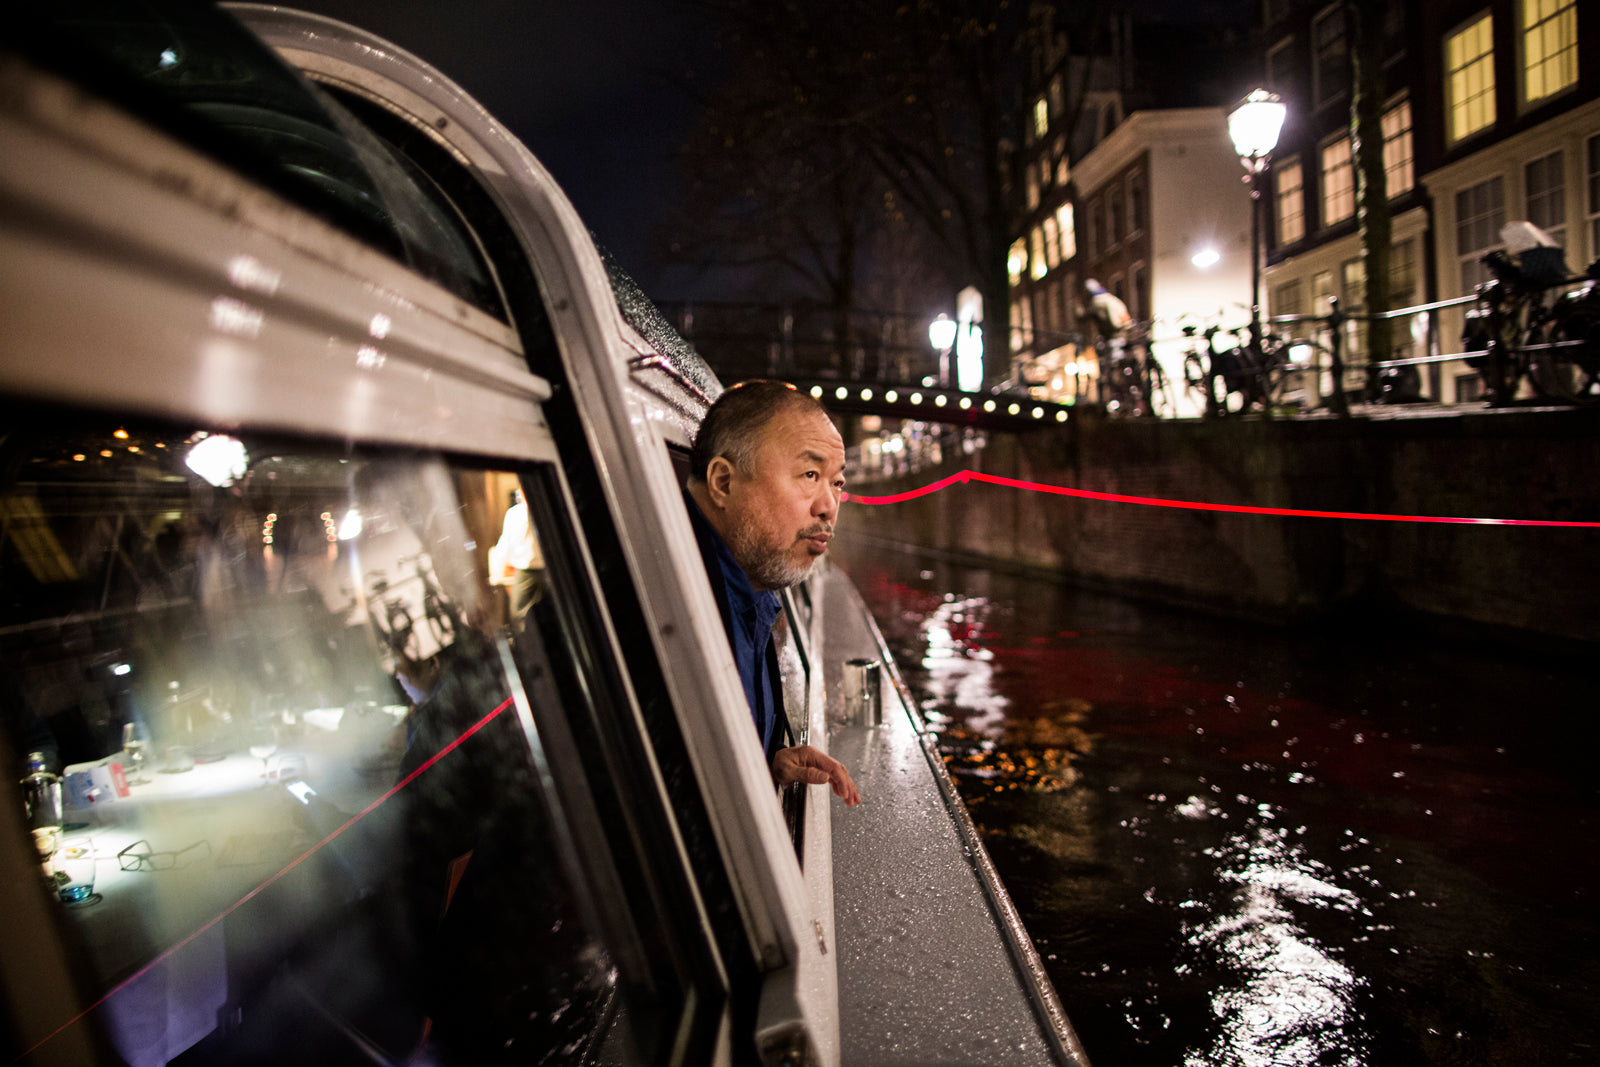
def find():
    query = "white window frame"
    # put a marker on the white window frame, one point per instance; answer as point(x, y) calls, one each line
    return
point(1470, 271)
point(1554, 196)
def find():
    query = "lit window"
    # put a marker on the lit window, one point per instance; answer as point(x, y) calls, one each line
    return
point(1331, 70)
point(1289, 193)
point(1399, 175)
point(1036, 243)
point(1547, 196)
point(1469, 63)
point(1016, 325)
point(1480, 212)
point(1549, 47)
point(1069, 239)
point(1041, 117)
point(1033, 189)
point(1338, 182)
point(1052, 243)
point(1017, 261)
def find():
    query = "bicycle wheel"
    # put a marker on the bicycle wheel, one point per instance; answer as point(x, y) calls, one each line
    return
point(1276, 378)
point(1161, 403)
point(1197, 384)
point(1568, 374)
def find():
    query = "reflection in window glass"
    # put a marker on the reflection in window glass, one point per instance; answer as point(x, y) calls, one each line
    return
point(332, 845)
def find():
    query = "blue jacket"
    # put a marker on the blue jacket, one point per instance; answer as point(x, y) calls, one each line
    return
point(747, 618)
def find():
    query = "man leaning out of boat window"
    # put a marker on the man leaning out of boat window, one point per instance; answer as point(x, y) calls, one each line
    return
point(765, 476)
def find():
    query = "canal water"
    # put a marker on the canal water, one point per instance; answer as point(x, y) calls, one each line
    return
point(1237, 846)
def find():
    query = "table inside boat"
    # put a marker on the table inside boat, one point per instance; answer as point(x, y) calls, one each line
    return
point(187, 863)
point(926, 973)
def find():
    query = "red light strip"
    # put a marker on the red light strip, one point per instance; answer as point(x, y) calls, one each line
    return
point(291, 865)
point(1195, 505)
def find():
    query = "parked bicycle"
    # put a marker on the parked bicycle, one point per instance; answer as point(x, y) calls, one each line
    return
point(1523, 334)
point(1133, 381)
point(391, 614)
point(1238, 377)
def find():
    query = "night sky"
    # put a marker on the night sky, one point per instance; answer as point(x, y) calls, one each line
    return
point(594, 89)
point(591, 89)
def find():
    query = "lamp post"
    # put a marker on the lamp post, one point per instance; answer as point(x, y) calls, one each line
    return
point(942, 335)
point(1253, 126)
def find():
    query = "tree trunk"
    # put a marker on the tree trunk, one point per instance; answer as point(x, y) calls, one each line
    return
point(1372, 191)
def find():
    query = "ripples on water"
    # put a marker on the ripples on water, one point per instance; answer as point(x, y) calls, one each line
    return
point(1236, 848)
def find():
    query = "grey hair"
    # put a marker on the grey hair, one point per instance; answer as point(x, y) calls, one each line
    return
point(734, 425)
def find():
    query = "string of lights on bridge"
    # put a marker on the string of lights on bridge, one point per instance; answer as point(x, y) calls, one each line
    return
point(939, 400)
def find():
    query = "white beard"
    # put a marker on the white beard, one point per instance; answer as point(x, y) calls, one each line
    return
point(766, 566)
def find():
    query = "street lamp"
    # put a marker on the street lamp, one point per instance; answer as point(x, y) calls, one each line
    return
point(942, 334)
point(1253, 126)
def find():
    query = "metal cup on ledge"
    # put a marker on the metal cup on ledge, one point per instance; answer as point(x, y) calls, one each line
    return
point(863, 695)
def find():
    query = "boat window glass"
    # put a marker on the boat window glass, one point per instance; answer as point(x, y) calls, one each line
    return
point(315, 782)
point(194, 72)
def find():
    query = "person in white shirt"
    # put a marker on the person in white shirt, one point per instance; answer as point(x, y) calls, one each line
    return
point(516, 562)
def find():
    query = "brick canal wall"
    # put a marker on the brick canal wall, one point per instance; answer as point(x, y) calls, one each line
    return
point(1518, 465)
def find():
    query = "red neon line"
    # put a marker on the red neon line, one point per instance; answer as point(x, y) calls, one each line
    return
point(291, 865)
point(1195, 505)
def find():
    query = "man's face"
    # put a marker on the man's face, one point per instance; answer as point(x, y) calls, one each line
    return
point(780, 519)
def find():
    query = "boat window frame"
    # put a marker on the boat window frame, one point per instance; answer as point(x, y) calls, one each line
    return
point(336, 172)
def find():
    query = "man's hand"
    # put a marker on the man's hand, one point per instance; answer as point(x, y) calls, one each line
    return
point(803, 763)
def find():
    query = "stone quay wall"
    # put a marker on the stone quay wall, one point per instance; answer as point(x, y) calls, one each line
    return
point(1537, 581)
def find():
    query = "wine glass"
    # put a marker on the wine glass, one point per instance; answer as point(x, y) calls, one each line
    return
point(135, 746)
point(263, 743)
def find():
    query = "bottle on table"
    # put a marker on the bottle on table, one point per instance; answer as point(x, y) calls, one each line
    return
point(41, 799)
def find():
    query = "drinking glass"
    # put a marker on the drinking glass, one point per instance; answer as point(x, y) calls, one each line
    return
point(73, 869)
point(263, 743)
point(135, 746)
